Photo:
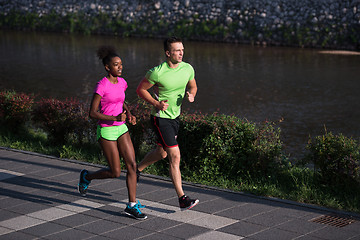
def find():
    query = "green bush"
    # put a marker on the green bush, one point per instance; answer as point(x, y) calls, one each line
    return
point(220, 145)
point(336, 157)
point(64, 120)
point(216, 145)
point(15, 108)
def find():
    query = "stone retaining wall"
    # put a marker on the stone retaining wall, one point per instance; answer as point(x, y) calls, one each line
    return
point(309, 23)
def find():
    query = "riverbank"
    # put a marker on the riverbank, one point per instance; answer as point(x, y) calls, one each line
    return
point(331, 24)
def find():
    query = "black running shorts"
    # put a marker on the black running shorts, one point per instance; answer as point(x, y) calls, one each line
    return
point(166, 131)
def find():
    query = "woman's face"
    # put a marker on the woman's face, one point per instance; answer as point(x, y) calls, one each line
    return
point(115, 67)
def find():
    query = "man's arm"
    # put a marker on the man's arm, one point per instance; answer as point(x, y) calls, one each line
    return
point(143, 92)
point(191, 90)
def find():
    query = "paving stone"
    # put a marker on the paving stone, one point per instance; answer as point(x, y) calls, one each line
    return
point(4, 231)
point(274, 234)
point(44, 229)
point(16, 236)
point(246, 211)
point(21, 222)
point(5, 174)
point(269, 219)
point(14, 187)
point(81, 205)
point(97, 237)
point(185, 231)
point(75, 220)
point(335, 233)
point(242, 229)
point(108, 185)
point(293, 211)
point(51, 214)
point(163, 194)
point(70, 234)
point(126, 233)
point(217, 205)
point(214, 235)
point(159, 236)
point(28, 207)
point(5, 215)
point(156, 224)
point(308, 237)
point(213, 222)
point(354, 227)
point(15, 200)
point(99, 226)
point(300, 226)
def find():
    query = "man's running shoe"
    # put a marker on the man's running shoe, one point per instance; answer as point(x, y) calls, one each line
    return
point(83, 183)
point(135, 211)
point(187, 203)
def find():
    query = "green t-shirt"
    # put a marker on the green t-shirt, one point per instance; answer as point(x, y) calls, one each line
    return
point(170, 84)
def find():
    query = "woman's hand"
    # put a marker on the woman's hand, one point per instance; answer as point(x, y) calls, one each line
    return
point(121, 117)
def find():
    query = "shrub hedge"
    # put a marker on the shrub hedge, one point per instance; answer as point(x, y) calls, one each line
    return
point(212, 145)
point(15, 108)
point(336, 157)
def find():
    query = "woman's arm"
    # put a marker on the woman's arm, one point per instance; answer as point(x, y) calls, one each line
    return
point(94, 111)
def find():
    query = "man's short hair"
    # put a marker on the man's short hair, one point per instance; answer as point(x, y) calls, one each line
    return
point(169, 41)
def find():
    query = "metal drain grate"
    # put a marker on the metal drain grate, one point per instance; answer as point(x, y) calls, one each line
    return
point(333, 220)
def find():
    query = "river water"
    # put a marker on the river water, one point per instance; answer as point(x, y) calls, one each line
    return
point(302, 89)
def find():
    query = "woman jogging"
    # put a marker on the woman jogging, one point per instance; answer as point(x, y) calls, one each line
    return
point(109, 108)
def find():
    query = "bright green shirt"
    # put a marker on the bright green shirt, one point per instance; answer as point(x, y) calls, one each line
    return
point(170, 84)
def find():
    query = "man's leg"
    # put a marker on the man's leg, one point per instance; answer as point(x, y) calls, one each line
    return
point(174, 159)
point(174, 169)
point(152, 157)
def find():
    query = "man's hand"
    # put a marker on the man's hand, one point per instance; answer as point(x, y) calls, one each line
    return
point(132, 119)
point(190, 97)
point(162, 105)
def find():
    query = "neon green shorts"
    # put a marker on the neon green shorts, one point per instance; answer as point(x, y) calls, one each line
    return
point(111, 133)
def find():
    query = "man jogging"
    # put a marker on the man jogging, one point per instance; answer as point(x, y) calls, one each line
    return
point(171, 81)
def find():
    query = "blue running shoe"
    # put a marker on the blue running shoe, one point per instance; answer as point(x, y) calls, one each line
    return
point(135, 211)
point(83, 183)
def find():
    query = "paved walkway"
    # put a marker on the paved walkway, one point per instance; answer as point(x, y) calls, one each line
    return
point(39, 200)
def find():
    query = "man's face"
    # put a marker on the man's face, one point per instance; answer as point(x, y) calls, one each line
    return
point(176, 52)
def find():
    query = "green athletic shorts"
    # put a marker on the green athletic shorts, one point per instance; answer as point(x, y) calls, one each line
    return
point(111, 133)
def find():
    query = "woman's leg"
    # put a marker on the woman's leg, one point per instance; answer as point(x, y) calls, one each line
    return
point(111, 152)
point(126, 150)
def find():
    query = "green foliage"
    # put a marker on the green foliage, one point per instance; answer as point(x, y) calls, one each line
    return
point(220, 145)
point(217, 150)
point(217, 145)
point(336, 157)
point(15, 108)
point(63, 120)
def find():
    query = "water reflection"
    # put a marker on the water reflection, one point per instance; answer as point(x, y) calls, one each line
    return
point(304, 88)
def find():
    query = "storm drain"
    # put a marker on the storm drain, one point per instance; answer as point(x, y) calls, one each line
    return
point(333, 220)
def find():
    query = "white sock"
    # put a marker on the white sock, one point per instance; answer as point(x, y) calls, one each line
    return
point(132, 204)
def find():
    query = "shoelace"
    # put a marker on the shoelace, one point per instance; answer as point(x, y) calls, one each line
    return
point(138, 205)
point(83, 185)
